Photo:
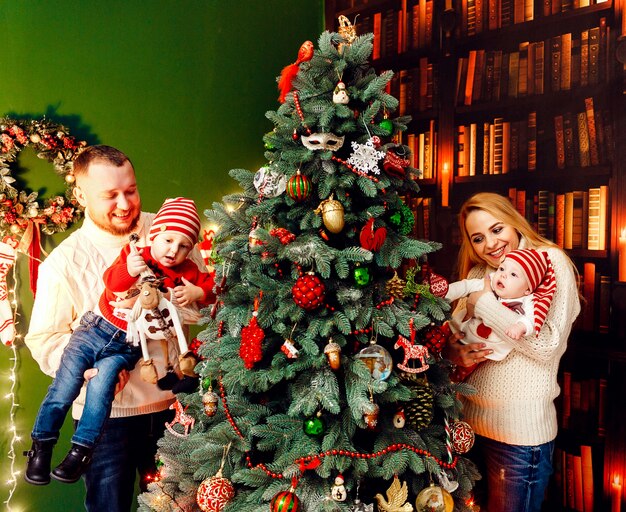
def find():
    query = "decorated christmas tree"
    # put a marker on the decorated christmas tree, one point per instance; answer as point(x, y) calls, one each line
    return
point(322, 386)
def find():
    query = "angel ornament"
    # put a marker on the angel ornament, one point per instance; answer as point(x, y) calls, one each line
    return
point(396, 501)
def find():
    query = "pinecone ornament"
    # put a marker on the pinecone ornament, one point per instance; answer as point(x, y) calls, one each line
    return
point(419, 411)
point(395, 286)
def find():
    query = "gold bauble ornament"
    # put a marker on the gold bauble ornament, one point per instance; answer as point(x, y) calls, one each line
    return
point(332, 214)
point(434, 499)
point(70, 178)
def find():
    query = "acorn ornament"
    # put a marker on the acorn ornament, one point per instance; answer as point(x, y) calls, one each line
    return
point(333, 354)
point(370, 416)
point(332, 214)
point(209, 402)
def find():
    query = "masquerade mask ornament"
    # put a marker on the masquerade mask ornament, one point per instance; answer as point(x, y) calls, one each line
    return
point(321, 141)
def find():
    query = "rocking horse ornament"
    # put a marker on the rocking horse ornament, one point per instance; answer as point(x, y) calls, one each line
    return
point(412, 351)
point(182, 418)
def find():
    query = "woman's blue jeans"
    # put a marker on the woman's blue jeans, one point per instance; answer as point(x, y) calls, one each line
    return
point(95, 343)
point(516, 476)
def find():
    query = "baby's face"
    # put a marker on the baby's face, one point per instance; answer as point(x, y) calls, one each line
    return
point(509, 281)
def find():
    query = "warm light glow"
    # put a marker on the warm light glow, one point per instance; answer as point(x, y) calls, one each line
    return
point(445, 184)
point(621, 252)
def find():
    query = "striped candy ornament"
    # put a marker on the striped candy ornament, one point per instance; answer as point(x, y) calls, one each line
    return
point(285, 501)
point(299, 187)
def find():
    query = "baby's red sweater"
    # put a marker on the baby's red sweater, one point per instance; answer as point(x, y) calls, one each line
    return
point(118, 280)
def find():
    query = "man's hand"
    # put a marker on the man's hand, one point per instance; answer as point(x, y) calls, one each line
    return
point(122, 377)
point(188, 293)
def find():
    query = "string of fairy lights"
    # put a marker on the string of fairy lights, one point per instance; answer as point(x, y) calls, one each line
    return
point(11, 396)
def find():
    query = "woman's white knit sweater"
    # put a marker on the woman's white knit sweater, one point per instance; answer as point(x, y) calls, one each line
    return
point(514, 403)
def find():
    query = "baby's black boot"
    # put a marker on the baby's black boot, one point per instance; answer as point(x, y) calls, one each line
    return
point(38, 462)
point(73, 465)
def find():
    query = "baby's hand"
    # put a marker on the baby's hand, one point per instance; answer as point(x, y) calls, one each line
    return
point(135, 264)
point(188, 293)
point(516, 331)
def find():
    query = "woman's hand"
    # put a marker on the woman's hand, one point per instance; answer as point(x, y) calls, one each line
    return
point(463, 354)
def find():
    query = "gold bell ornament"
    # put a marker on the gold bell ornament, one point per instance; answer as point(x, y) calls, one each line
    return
point(332, 214)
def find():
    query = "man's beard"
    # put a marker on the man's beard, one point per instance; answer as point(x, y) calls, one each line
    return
point(110, 228)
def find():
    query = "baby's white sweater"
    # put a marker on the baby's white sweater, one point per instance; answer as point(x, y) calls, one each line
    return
point(514, 402)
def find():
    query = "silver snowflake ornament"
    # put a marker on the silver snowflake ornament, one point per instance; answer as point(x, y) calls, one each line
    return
point(365, 157)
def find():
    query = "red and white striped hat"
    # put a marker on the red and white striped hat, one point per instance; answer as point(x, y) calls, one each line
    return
point(178, 214)
point(540, 275)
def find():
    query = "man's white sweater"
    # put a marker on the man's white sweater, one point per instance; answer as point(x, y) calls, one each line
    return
point(70, 284)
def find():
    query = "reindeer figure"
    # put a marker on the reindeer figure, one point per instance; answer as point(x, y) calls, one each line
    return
point(412, 351)
point(154, 315)
point(182, 418)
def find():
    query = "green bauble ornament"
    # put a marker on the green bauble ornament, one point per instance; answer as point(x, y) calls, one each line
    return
point(314, 426)
point(206, 383)
point(362, 276)
point(387, 125)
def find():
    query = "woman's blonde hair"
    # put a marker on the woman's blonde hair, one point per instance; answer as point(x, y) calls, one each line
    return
point(503, 210)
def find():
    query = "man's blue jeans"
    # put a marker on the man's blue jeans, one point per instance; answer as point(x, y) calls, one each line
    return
point(96, 343)
point(127, 447)
point(517, 476)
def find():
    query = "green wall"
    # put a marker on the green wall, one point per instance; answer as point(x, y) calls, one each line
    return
point(180, 86)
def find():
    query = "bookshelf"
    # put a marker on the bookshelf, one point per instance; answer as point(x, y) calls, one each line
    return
point(526, 98)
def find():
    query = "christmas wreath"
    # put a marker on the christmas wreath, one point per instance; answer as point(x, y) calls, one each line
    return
point(20, 211)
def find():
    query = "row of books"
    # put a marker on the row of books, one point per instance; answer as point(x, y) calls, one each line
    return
point(573, 478)
point(497, 147)
point(561, 63)
point(478, 16)
point(580, 139)
point(423, 147)
point(582, 404)
point(596, 308)
point(416, 88)
point(583, 138)
point(573, 220)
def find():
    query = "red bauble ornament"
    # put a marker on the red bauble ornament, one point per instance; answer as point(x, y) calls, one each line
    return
point(395, 164)
point(462, 437)
point(298, 187)
point(438, 285)
point(370, 238)
point(309, 292)
point(436, 336)
point(214, 493)
point(285, 501)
